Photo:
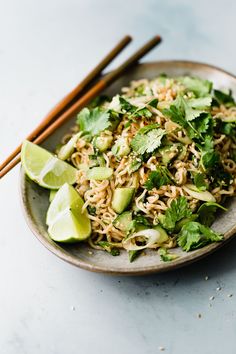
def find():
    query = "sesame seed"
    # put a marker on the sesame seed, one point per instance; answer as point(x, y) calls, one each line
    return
point(161, 349)
point(230, 295)
point(206, 277)
point(199, 315)
point(211, 298)
point(218, 289)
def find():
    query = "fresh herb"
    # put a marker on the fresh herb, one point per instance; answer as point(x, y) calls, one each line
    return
point(166, 256)
point(209, 157)
point(93, 121)
point(147, 139)
point(153, 103)
point(198, 86)
point(158, 178)
point(191, 115)
point(206, 212)
point(91, 210)
point(126, 105)
point(133, 255)
point(178, 210)
point(226, 99)
point(210, 161)
point(109, 247)
point(194, 235)
point(98, 101)
point(200, 182)
point(226, 128)
point(133, 110)
point(135, 165)
point(196, 106)
point(141, 220)
point(203, 125)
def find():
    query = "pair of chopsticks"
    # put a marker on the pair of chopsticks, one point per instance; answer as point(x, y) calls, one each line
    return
point(91, 86)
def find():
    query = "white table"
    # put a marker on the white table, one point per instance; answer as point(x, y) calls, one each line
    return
point(46, 305)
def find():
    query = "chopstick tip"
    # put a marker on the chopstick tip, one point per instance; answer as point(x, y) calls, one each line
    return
point(158, 38)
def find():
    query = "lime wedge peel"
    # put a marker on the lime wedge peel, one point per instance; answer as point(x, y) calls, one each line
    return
point(65, 219)
point(44, 168)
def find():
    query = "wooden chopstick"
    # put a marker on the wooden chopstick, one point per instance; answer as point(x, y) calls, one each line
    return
point(63, 105)
point(89, 95)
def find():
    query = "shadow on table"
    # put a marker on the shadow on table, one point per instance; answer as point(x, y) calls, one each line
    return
point(216, 267)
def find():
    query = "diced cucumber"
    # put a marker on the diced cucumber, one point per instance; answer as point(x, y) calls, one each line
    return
point(163, 235)
point(102, 143)
point(99, 173)
point(121, 147)
point(123, 221)
point(168, 153)
point(67, 150)
point(122, 198)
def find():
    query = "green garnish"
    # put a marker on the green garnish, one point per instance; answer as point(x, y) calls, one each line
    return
point(93, 121)
point(109, 247)
point(206, 212)
point(200, 181)
point(226, 99)
point(194, 235)
point(147, 139)
point(178, 210)
point(187, 113)
point(198, 86)
point(166, 256)
point(158, 178)
point(133, 255)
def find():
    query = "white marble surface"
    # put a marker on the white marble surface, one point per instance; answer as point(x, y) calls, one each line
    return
point(47, 306)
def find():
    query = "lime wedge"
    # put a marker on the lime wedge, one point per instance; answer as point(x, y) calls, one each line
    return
point(44, 168)
point(52, 194)
point(65, 219)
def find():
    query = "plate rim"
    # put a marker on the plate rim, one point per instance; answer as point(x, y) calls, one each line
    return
point(144, 270)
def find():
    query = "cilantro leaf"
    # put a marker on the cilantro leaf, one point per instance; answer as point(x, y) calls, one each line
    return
point(221, 97)
point(206, 212)
point(203, 124)
point(153, 103)
point(147, 139)
point(199, 181)
point(133, 255)
point(176, 114)
point(226, 128)
point(191, 114)
point(109, 247)
point(178, 210)
point(133, 110)
point(198, 86)
point(158, 178)
point(135, 165)
point(93, 121)
point(126, 105)
point(194, 235)
point(166, 256)
point(196, 106)
point(140, 219)
point(210, 157)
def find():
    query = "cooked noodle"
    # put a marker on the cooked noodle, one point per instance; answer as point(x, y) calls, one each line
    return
point(97, 194)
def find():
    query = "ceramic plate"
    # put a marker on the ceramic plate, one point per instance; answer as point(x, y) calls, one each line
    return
point(35, 198)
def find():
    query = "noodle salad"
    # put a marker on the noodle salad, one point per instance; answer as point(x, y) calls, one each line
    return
point(154, 164)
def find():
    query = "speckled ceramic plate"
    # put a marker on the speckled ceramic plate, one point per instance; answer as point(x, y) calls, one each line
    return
point(35, 198)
